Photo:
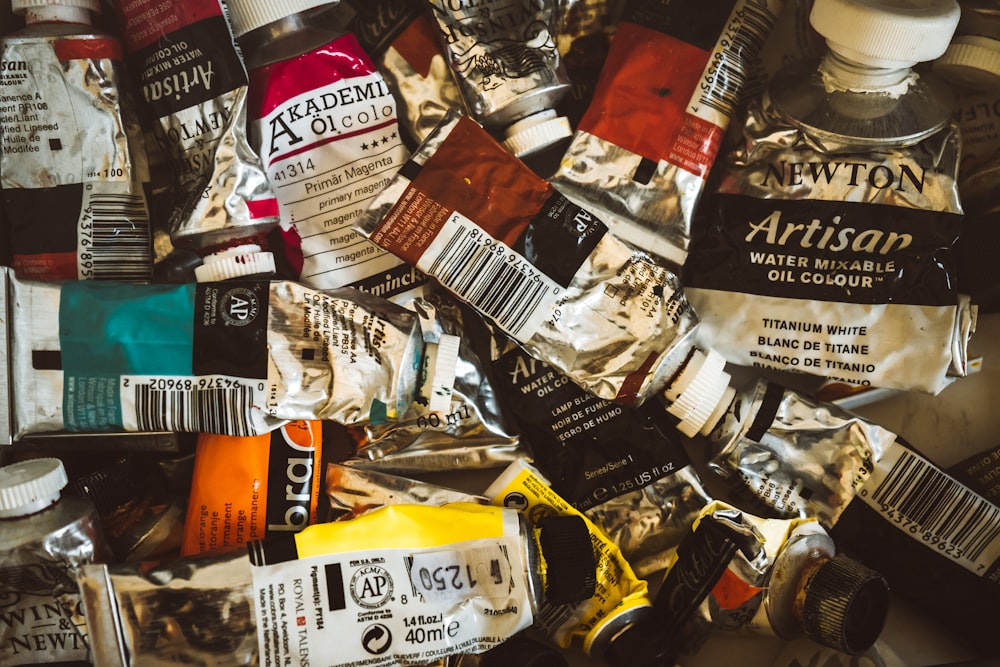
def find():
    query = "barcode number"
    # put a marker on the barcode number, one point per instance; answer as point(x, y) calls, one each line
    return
point(938, 510)
point(114, 241)
point(493, 278)
point(186, 404)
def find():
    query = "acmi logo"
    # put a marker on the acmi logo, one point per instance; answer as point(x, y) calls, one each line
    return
point(371, 586)
point(239, 306)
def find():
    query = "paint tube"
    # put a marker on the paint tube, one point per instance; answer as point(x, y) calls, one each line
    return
point(324, 121)
point(620, 599)
point(623, 467)
point(401, 37)
point(788, 580)
point(830, 237)
point(668, 89)
point(352, 491)
point(194, 87)
point(73, 163)
point(372, 588)
point(584, 39)
point(787, 455)
point(43, 537)
point(468, 213)
point(247, 488)
point(455, 421)
point(508, 68)
point(237, 358)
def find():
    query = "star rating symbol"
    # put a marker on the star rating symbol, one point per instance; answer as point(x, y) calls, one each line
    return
point(384, 139)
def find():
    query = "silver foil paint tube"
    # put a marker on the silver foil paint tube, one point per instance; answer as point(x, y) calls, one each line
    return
point(193, 86)
point(469, 213)
point(237, 358)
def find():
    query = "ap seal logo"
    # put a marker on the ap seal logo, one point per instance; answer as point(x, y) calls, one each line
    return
point(371, 586)
point(239, 306)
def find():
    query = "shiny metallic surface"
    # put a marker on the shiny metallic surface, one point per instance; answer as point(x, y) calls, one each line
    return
point(473, 434)
point(655, 215)
point(623, 317)
point(38, 556)
point(648, 524)
point(504, 57)
point(423, 99)
point(353, 491)
point(211, 204)
point(338, 383)
point(195, 611)
point(811, 460)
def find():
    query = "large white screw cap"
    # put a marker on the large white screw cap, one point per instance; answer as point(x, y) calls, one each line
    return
point(20, 6)
point(247, 15)
point(886, 33)
point(30, 486)
point(244, 260)
point(536, 132)
point(972, 61)
point(700, 392)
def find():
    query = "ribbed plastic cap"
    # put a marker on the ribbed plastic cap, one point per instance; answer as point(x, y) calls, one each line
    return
point(845, 606)
point(700, 392)
point(972, 61)
point(536, 132)
point(247, 15)
point(886, 33)
point(235, 262)
point(30, 486)
point(23, 5)
point(571, 574)
point(642, 644)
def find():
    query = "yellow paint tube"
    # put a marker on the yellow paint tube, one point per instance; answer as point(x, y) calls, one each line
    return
point(620, 599)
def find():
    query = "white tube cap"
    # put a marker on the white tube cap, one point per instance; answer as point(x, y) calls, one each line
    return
point(247, 15)
point(20, 6)
point(535, 132)
point(235, 262)
point(30, 486)
point(700, 393)
point(972, 61)
point(886, 33)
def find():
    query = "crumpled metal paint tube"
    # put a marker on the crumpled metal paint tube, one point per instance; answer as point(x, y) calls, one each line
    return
point(470, 214)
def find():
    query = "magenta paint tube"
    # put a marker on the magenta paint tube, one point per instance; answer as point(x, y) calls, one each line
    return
point(194, 87)
point(73, 168)
point(325, 123)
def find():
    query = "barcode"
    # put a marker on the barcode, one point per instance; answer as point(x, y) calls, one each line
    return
point(216, 410)
point(117, 246)
point(552, 617)
point(730, 66)
point(492, 278)
point(939, 505)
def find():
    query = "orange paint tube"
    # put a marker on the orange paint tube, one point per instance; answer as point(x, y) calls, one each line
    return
point(246, 488)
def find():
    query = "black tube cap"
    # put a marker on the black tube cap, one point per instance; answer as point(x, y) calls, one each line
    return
point(846, 605)
point(523, 651)
point(571, 572)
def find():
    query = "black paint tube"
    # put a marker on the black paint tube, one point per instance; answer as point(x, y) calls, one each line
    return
point(622, 466)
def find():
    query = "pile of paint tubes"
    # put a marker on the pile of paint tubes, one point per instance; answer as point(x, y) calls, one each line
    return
point(411, 332)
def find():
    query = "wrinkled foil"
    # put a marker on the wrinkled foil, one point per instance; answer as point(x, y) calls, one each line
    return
point(504, 56)
point(352, 491)
point(300, 388)
point(646, 525)
point(473, 433)
point(190, 611)
point(789, 455)
point(623, 314)
point(38, 555)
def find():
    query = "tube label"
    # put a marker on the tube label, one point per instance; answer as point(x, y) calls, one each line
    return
point(72, 180)
point(403, 592)
point(329, 138)
point(936, 510)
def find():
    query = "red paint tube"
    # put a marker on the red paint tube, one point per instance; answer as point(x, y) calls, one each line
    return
point(73, 167)
point(667, 91)
point(469, 213)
